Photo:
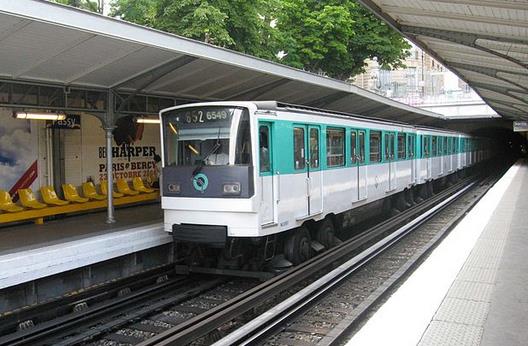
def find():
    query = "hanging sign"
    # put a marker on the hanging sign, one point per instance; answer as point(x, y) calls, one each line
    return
point(519, 126)
point(72, 122)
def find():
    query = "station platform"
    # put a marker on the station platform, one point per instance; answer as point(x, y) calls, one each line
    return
point(473, 288)
point(29, 252)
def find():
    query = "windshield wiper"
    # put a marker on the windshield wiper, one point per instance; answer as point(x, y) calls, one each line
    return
point(202, 162)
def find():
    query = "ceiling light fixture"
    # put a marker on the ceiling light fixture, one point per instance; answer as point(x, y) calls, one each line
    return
point(39, 115)
point(147, 121)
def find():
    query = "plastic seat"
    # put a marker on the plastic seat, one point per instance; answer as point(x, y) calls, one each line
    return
point(71, 194)
point(50, 196)
point(137, 184)
point(122, 187)
point(6, 203)
point(104, 190)
point(90, 192)
point(28, 200)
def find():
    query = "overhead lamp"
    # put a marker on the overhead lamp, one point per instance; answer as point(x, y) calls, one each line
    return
point(147, 121)
point(39, 115)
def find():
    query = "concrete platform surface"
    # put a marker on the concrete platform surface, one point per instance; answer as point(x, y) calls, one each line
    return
point(473, 289)
point(30, 252)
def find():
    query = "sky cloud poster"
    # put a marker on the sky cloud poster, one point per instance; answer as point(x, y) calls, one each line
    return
point(18, 154)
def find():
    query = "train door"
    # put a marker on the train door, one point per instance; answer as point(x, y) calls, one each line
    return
point(361, 167)
point(355, 164)
point(426, 155)
point(307, 160)
point(314, 173)
point(389, 159)
point(411, 147)
point(441, 150)
point(267, 201)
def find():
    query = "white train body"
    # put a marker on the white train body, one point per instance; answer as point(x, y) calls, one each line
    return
point(294, 165)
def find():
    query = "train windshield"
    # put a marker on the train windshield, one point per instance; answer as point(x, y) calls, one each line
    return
point(208, 136)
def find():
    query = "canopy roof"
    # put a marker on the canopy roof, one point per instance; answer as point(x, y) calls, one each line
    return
point(485, 42)
point(46, 42)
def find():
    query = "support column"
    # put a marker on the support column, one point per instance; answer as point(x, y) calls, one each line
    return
point(109, 176)
point(108, 126)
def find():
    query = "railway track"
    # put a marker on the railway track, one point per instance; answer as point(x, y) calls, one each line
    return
point(198, 310)
point(329, 310)
point(248, 306)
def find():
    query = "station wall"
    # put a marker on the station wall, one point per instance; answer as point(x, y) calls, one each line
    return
point(25, 147)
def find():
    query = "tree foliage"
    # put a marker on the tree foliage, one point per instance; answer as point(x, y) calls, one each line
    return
point(329, 37)
point(89, 5)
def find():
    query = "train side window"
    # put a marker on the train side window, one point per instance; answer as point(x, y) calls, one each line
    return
point(314, 148)
point(447, 149)
point(389, 146)
point(434, 144)
point(401, 146)
point(375, 146)
point(299, 150)
point(353, 147)
point(335, 147)
point(361, 153)
point(425, 149)
point(264, 147)
point(410, 146)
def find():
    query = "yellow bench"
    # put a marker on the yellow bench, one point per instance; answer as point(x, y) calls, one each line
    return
point(50, 196)
point(90, 192)
point(6, 203)
point(28, 200)
point(104, 190)
point(124, 188)
point(137, 184)
point(71, 194)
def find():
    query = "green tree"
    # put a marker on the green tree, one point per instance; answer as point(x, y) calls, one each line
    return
point(90, 5)
point(334, 37)
point(331, 37)
point(236, 24)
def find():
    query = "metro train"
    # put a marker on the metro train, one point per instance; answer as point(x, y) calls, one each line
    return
point(264, 185)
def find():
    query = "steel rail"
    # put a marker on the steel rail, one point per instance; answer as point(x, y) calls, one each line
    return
point(65, 304)
point(259, 328)
point(216, 317)
point(71, 322)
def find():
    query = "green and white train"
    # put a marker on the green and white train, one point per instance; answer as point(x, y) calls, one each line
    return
point(245, 182)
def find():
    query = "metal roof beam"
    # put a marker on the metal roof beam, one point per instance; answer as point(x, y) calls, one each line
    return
point(328, 99)
point(497, 89)
point(488, 71)
point(157, 72)
point(420, 12)
point(465, 39)
point(259, 90)
point(488, 3)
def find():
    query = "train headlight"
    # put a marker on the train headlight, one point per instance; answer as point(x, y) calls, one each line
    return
point(231, 189)
point(173, 187)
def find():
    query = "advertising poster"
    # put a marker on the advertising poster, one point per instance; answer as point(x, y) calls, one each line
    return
point(134, 151)
point(18, 154)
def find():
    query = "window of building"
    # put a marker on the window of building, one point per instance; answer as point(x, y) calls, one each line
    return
point(335, 147)
point(375, 146)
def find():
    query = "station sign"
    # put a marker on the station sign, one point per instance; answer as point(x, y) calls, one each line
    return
point(72, 122)
point(520, 126)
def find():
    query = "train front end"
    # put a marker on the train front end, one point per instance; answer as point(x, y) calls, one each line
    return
point(208, 179)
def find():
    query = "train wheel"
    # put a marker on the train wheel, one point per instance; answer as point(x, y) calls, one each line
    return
point(297, 247)
point(325, 233)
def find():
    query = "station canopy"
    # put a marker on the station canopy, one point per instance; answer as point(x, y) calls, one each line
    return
point(83, 55)
point(484, 42)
